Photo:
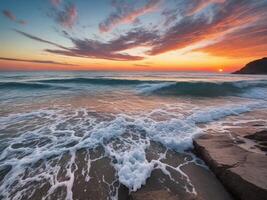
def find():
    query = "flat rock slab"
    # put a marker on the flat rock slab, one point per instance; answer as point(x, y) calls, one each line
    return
point(244, 173)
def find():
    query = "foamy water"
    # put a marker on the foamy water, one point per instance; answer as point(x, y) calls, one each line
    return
point(47, 119)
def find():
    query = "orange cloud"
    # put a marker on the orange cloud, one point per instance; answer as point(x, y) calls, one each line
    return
point(246, 42)
point(191, 29)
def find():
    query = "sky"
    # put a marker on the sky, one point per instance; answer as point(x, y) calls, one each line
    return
point(160, 35)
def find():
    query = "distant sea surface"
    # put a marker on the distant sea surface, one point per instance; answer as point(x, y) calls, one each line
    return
point(44, 115)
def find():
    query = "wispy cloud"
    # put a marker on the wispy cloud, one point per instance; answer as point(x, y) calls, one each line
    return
point(68, 16)
point(194, 6)
point(102, 50)
point(241, 43)
point(226, 17)
point(232, 26)
point(65, 15)
point(8, 14)
point(36, 61)
point(185, 8)
point(38, 39)
point(125, 14)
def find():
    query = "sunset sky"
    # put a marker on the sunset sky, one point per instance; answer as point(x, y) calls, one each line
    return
point(187, 35)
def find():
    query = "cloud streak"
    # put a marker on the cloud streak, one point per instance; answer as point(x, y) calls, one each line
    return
point(11, 16)
point(39, 39)
point(126, 14)
point(185, 8)
point(101, 50)
point(36, 61)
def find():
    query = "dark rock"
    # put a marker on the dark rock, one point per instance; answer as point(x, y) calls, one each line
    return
point(254, 67)
point(244, 173)
point(259, 136)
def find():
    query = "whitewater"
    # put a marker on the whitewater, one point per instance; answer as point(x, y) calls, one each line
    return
point(55, 125)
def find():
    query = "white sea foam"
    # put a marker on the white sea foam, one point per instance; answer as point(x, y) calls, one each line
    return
point(256, 93)
point(216, 113)
point(124, 138)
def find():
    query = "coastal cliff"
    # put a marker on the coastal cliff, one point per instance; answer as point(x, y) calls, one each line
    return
point(254, 67)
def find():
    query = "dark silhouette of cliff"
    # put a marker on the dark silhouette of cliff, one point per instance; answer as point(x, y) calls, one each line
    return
point(254, 67)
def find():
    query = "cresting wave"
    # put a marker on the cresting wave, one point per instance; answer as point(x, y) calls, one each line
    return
point(205, 89)
point(27, 85)
point(35, 156)
point(173, 88)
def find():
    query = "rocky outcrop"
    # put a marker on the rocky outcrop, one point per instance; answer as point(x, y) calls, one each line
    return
point(243, 173)
point(254, 67)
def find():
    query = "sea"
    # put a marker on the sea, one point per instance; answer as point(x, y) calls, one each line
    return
point(48, 118)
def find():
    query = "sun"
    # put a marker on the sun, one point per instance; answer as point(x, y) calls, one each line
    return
point(220, 70)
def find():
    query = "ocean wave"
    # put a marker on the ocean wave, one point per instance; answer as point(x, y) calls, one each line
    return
point(28, 85)
point(61, 83)
point(205, 89)
point(147, 87)
point(96, 81)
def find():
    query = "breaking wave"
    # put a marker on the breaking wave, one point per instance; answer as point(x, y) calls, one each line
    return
point(205, 89)
point(28, 85)
point(147, 87)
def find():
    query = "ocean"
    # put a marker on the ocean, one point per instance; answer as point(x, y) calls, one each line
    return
point(55, 125)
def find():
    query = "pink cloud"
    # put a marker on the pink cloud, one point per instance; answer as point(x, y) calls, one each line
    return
point(124, 14)
point(9, 15)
